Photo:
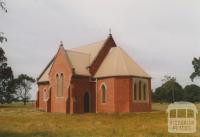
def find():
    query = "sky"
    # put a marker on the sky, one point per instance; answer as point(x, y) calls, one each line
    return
point(162, 36)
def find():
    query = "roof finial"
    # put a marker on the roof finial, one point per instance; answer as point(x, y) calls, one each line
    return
point(61, 43)
point(110, 32)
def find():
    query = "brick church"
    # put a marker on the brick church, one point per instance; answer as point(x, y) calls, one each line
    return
point(98, 77)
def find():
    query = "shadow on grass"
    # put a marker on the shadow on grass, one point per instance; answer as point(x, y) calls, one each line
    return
point(34, 134)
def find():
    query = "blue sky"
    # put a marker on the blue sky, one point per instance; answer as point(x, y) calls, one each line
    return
point(162, 36)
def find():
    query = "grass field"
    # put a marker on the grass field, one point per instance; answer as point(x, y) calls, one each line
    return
point(19, 121)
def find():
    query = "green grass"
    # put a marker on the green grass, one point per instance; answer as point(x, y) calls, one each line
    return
point(19, 121)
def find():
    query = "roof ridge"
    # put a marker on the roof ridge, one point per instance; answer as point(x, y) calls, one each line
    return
point(120, 64)
point(77, 52)
point(46, 67)
point(89, 44)
point(124, 62)
point(138, 65)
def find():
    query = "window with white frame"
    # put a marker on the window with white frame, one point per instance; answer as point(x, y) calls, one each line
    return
point(139, 90)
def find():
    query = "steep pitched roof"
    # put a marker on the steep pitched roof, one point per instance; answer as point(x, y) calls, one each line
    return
point(91, 49)
point(79, 61)
point(44, 77)
point(118, 63)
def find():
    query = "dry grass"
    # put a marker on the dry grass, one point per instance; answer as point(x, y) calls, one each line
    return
point(19, 121)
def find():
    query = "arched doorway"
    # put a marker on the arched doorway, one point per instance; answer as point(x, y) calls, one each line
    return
point(86, 102)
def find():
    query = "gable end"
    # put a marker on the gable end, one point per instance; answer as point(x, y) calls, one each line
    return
point(109, 43)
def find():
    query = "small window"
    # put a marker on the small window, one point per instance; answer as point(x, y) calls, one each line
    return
point(57, 84)
point(144, 91)
point(140, 92)
point(135, 91)
point(45, 95)
point(103, 93)
point(61, 84)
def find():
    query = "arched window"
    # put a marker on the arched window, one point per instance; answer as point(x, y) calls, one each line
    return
point(45, 95)
point(57, 84)
point(61, 84)
point(103, 93)
point(135, 91)
point(140, 92)
point(144, 91)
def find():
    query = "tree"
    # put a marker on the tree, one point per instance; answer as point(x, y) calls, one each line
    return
point(2, 38)
point(174, 91)
point(170, 91)
point(168, 78)
point(196, 66)
point(7, 89)
point(160, 95)
point(2, 6)
point(6, 76)
point(23, 86)
point(192, 93)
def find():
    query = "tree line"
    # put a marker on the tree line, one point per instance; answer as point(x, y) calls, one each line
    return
point(171, 90)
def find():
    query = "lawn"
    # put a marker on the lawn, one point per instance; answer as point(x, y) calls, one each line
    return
point(19, 121)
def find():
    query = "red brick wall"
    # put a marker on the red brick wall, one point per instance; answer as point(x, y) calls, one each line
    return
point(93, 95)
point(60, 65)
point(109, 106)
point(81, 85)
point(122, 94)
point(41, 103)
point(102, 54)
point(37, 99)
point(119, 96)
point(142, 106)
point(49, 102)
